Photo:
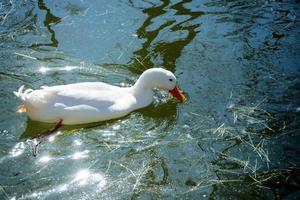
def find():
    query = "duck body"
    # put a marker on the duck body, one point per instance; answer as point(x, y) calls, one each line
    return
point(89, 102)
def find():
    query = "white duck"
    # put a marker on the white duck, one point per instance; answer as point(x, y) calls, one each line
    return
point(89, 102)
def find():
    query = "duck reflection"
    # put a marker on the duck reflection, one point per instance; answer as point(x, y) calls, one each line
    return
point(33, 129)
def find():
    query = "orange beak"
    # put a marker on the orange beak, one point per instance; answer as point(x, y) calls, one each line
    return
point(176, 93)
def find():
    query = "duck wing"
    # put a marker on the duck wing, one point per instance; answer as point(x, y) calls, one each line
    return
point(88, 93)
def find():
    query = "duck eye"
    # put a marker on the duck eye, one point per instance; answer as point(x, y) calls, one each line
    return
point(170, 79)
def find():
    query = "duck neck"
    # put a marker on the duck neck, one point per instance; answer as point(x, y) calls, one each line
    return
point(142, 92)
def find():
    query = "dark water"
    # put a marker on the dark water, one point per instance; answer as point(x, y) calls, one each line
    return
point(236, 137)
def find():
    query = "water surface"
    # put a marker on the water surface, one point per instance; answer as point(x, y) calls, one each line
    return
point(235, 137)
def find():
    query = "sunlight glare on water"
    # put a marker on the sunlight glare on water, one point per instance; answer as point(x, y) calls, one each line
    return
point(45, 70)
point(52, 137)
point(45, 159)
point(84, 177)
point(79, 155)
point(77, 142)
point(18, 149)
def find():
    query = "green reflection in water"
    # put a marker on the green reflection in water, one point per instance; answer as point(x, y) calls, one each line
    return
point(49, 21)
point(170, 51)
point(33, 128)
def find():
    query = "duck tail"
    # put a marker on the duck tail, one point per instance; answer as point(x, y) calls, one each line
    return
point(22, 95)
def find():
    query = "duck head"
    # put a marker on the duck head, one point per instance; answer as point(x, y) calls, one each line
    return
point(162, 79)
